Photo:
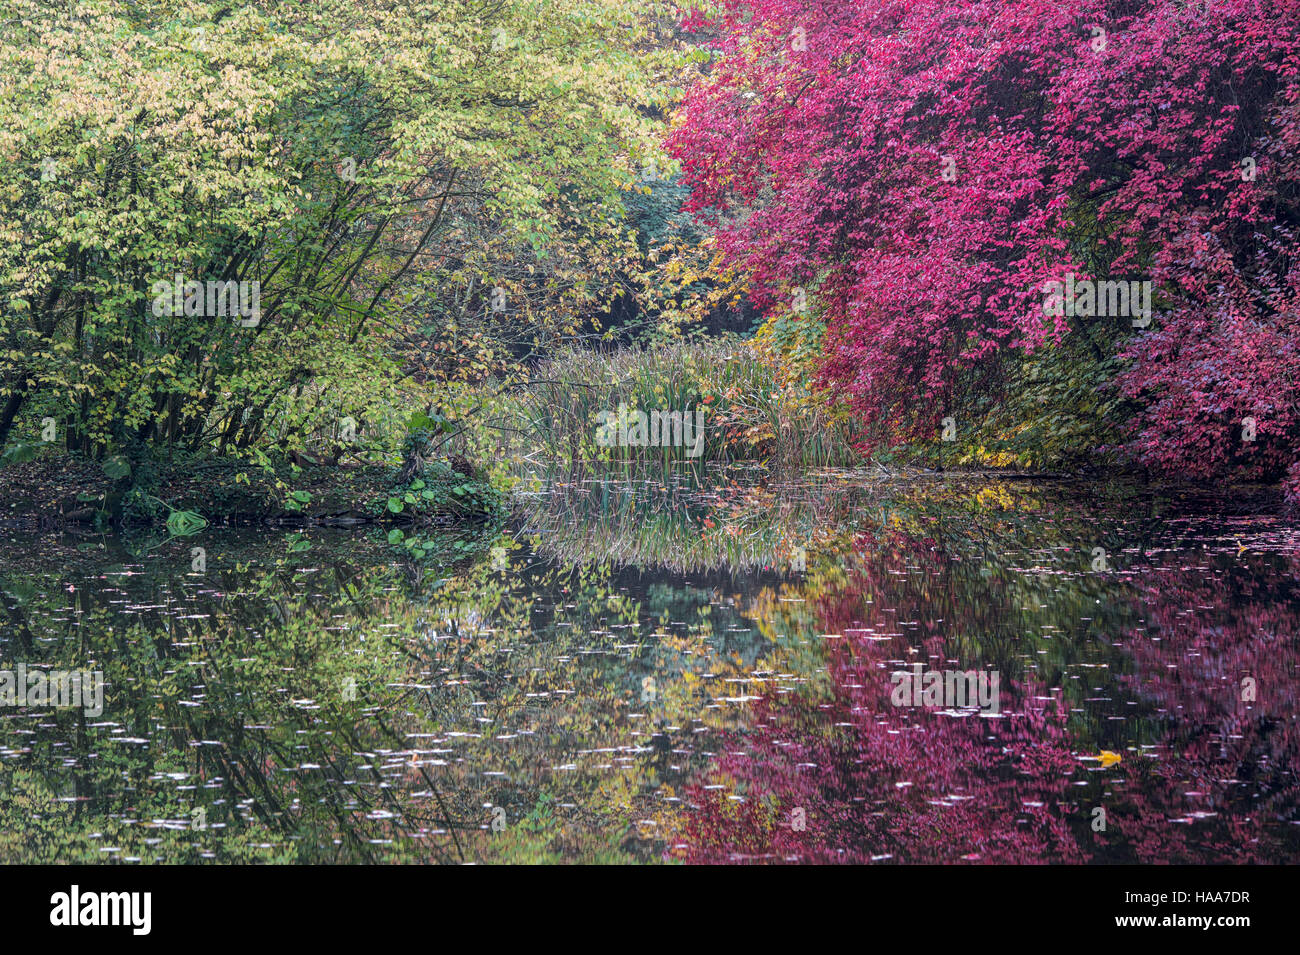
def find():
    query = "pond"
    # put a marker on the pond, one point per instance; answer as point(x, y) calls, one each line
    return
point(699, 666)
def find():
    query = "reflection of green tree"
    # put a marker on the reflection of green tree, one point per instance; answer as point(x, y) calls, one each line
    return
point(563, 668)
point(227, 697)
point(473, 689)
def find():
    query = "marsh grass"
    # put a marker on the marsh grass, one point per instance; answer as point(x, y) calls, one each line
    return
point(747, 416)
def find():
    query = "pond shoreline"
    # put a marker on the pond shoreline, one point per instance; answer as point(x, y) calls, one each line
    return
point(61, 491)
point(56, 492)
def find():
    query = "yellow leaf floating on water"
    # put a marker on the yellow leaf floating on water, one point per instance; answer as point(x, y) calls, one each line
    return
point(1108, 758)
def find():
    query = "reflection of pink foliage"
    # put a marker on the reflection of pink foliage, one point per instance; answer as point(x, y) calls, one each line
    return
point(908, 784)
point(915, 786)
point(1291, 486)
point(1203, 636)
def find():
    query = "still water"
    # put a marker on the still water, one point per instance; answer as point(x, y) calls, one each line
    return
point(680, 667)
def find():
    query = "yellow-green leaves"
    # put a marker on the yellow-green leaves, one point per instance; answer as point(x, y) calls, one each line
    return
point(325, 151)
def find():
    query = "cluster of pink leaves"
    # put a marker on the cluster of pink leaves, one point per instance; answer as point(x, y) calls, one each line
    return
point(924, 167)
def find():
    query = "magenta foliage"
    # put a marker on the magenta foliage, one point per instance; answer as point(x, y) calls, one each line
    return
point(926, 166)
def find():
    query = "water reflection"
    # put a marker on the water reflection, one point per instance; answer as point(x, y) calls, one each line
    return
point(671, 666)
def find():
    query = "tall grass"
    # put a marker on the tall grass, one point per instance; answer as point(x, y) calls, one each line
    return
point(746, 414)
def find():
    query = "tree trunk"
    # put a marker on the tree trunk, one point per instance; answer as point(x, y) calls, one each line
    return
point(10, 412)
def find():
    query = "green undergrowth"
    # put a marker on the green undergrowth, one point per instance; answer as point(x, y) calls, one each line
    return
point(184, 494)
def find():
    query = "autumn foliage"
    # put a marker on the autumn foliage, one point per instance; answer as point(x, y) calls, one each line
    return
point(920, 169)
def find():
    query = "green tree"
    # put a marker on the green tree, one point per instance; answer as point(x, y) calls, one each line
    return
point(327, 156)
